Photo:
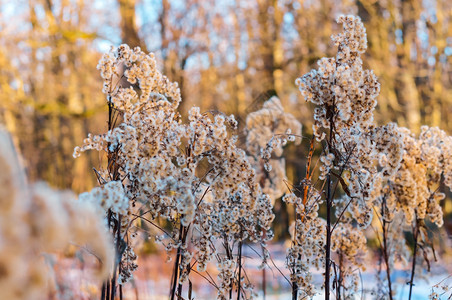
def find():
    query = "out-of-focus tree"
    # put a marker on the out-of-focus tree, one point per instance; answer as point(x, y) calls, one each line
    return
point(183, 31)
point(226, 55)
point(129, 30)
point(410, 50)
point(52, 84)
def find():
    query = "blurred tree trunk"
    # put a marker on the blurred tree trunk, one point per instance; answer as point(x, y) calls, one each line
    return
point(129, 31)
point(406, 50)
point(408, 90)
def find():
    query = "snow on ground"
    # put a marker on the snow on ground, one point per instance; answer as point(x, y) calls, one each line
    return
point(153, 276)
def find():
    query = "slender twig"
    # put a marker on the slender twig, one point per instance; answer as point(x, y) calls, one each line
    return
point(328, 215)
point(207, 279)
point(328, 239)
point(175, 275)
point(342, 213)
point(385, 248)
point(229, 256)
point(108, 290)
point(104, 288)
point(413, 265)
point(308, 176)
point(184, 239)
point(118, 256)
point(153, 224)
point(240, 269)
point(294, 291)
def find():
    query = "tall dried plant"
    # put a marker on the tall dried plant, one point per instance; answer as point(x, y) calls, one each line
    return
point(215, 196)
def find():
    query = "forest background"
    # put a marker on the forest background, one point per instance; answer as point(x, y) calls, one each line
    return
point(226, 55)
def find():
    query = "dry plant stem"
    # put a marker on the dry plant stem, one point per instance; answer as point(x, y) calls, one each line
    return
point(264, 280)
point(328, 216)
point(339, 284)
point(108, 290)
point(328, 239)
point(305, 200)
point(240, 269)
point(294, 291)
point(308, 176)
point(413, 265)
point(106, 285)
point(294, 284)
point(179, 286)
point(117, 257)
point(107, 282)
point(264, 284)
point(385, 248)
point(229, 255)
point(102, 296)
point(176, 272)
point(184, 239)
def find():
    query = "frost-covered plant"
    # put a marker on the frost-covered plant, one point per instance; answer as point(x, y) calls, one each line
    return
point(349, 243)
point(267, 130)
point(411, 197)
point(213, 195)
point(380, 168)
point(307, 250)
point(35, 219)
point(192, 175)
point(345, 98)
point(426, 163)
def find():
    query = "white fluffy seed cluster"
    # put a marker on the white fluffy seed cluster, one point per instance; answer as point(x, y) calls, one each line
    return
point(349, 244)
point(383, 166)
point(345, 95)
point(376, 159)
point(267, 131)
point(426, 163)
point(307, 251)
point(361, 154)
point(127, 265)
point(35, 219)
point(267, 122)
point(226, 269)
point(340, 87)
point(108, 196)
point(191, 174)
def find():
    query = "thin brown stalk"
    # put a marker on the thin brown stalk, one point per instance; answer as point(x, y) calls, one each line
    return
point(385, 248)
point(207, 279)
point(104, 288)
point(240, 269)
point(341, 276)
point(108, 290)
point(175, 276)
point(117, 258)
point(308, 175)
point(328, 240)
point(413, 265)
point(294, 291)
point(153, 224)
point(328, 215)
point(229, 256)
